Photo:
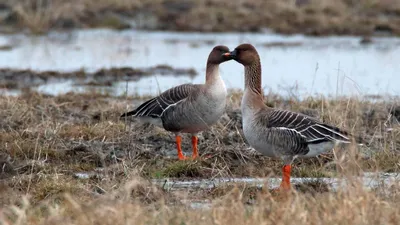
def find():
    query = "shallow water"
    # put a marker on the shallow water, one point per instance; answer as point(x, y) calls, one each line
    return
point(369, 180)
point(329, 65)
point(382, 182)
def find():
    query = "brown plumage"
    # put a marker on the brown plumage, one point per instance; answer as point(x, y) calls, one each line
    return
point(189, 108)
point(279, 133)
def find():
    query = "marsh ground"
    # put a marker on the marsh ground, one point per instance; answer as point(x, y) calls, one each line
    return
point(44, 135)
point(76, 144)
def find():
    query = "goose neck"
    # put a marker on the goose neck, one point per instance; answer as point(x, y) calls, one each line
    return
point(253, 78)
point(212, 73)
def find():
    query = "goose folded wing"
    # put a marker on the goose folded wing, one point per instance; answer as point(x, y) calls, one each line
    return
point(312, 130)
point(156, 107)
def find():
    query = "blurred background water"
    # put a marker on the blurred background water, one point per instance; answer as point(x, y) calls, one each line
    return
point(291, 64)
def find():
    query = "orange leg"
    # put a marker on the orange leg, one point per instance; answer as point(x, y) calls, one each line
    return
point(285, 185)
point(194, 146)
point(178, 147)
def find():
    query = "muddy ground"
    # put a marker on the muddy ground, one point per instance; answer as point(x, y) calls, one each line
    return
point(311, 17)
point(25, 79)
point(46, 142)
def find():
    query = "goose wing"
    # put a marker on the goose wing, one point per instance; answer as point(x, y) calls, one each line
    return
point(167, 100)
point(310, 129)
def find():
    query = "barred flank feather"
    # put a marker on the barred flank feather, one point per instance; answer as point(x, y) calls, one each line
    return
point(312, 130)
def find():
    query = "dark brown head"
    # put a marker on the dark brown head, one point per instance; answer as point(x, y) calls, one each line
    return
point(245, 54)
point(218, 55)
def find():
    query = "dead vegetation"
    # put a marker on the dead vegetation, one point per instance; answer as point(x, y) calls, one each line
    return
point(76, 144)
point(311, 17)
point(138, 202)
point(20, 79)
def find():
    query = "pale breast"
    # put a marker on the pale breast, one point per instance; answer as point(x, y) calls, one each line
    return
point(257, 139)
point(209, 108)
point(213, 102)
point(257, 134)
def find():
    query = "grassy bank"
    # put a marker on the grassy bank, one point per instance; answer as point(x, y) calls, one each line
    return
point(312, 17)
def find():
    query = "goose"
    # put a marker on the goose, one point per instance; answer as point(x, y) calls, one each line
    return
point(279, 133)
point(188, 108)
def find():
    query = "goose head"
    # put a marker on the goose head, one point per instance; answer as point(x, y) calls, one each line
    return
point(218, 55)
point(245, 54)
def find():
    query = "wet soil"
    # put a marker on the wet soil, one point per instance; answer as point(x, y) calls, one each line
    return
point(19, 79)
point(311, 17)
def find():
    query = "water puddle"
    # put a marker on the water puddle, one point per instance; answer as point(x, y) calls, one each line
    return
point(382, 182)
point(205, 204)
point(369, 180)
point(291, 64)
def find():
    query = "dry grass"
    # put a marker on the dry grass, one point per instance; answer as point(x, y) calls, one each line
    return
point(313, 17)
point(45, 141)
point(352, 205)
